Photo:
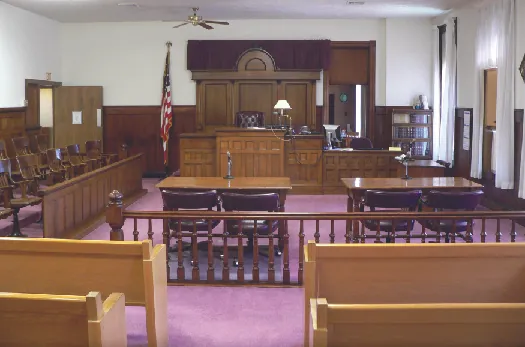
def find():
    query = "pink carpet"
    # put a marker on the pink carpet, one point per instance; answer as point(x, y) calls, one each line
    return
point(241, 316)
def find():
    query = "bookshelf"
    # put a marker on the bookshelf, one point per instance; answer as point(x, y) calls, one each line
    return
point(413, 125)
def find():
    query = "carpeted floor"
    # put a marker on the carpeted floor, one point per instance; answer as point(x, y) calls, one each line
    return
point(240, 316)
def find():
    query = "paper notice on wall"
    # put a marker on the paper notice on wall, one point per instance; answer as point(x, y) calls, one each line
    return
point(99, 117)
point(466, 131)
point(77, 117)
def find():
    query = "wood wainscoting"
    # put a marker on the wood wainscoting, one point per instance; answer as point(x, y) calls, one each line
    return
point(139, 128)
point(73, 208)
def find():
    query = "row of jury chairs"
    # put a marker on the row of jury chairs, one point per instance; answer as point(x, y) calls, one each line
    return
point(413, 201)
point(231, 202)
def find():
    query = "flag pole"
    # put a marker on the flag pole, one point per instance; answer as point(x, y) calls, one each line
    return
point(166, 166)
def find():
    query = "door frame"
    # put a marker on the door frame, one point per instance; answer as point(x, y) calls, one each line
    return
point(371, 90)
point(40, 84)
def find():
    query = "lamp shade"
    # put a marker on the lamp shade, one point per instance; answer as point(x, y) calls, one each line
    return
point(282, 105)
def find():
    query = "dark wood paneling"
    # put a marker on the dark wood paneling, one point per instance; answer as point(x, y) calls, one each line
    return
point(319, 112)
point(349, 65)
point(462, 158)
point(12, 124)
point(500, 199)
point(139, 128)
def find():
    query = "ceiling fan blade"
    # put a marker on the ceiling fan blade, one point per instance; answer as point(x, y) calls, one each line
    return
point(178, 26)
point(217, 22)
point(206, 26)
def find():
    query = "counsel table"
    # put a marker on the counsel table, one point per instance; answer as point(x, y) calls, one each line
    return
point(356, 188)
point(279, 185)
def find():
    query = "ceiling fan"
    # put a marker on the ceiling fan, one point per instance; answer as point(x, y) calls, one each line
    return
point(197, 20)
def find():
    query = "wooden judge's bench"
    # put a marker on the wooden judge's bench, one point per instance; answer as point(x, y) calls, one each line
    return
point(253, 86)
point(269, 153)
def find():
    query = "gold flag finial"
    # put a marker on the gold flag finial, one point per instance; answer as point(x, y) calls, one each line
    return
point(169, 44)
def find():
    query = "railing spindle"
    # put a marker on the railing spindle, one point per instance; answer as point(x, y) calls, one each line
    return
point(349, 233)
point(378, 233)
point(150, 229)
point(483, 231)
point(225, 264)
point(423, 233)
point(240, 253)
point(286, 257)
point(256, 253)
point(513, 232)
point(317, 234)
point(301, 252)
point(332, 231)
point(195, 273)
point(181, 272)
point(166, 241)
point(135, 230)
point(499, 234)
point(454, 231)
point(470, 231)
point(211, 262)
point(271, 257)
point(363, 233)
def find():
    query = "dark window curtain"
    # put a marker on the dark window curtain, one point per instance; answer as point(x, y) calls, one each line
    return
point(287, 54)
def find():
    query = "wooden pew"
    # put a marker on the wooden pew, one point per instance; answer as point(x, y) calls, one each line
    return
point(415, 295)
point(71, 267)
point(62, 320)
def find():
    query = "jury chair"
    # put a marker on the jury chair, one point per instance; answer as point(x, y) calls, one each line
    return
point(451, 201)
point(402, 201)
point(77, 161)
point(247, 119)
point(251, 229)
point(188, 200)
point(12, 203)
point(94, 152)
point(21, 145)
point(59, 170)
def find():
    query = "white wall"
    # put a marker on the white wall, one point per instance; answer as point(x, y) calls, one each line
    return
point(127, 58)
point(29, 47)
point(408, 60)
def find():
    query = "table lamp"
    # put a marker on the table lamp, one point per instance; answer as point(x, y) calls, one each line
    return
point(283, 105)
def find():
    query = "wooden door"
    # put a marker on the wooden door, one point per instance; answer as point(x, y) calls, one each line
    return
point(33, 106)
point(83, 101)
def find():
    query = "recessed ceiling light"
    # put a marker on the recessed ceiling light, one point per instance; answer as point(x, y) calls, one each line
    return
point(355, 2)
point(128, 4)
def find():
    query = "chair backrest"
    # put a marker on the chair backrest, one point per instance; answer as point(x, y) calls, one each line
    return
point(21, 145)
point(74, 267)
point(3, 150)
point(381, 199)
point(246, 119)
point(74, 155)
point(54, 158)
point(361, 143)
point(62, 320)
point(189, 200)
point(94, 149)
point(42, 142)
point(454, 200)
point(268, 202)
point(28, 164)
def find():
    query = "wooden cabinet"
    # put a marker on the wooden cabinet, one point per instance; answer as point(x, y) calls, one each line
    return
point(413, 126)
point(351, 164)
point(304, 164)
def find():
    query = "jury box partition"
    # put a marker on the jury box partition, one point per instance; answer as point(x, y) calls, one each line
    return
point(73, 208)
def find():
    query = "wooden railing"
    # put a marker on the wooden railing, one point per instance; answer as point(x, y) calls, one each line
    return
point(184, 262)
point(74, 207)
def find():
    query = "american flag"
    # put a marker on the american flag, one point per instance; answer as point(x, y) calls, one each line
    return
point(166, 114)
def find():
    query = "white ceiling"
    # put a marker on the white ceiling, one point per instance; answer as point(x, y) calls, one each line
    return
point(153, 10)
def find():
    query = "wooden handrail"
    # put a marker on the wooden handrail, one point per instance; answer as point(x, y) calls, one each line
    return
point(323, 216)
point(86, 176)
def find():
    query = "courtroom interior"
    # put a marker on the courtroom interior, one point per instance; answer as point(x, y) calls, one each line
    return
point(244, 173)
